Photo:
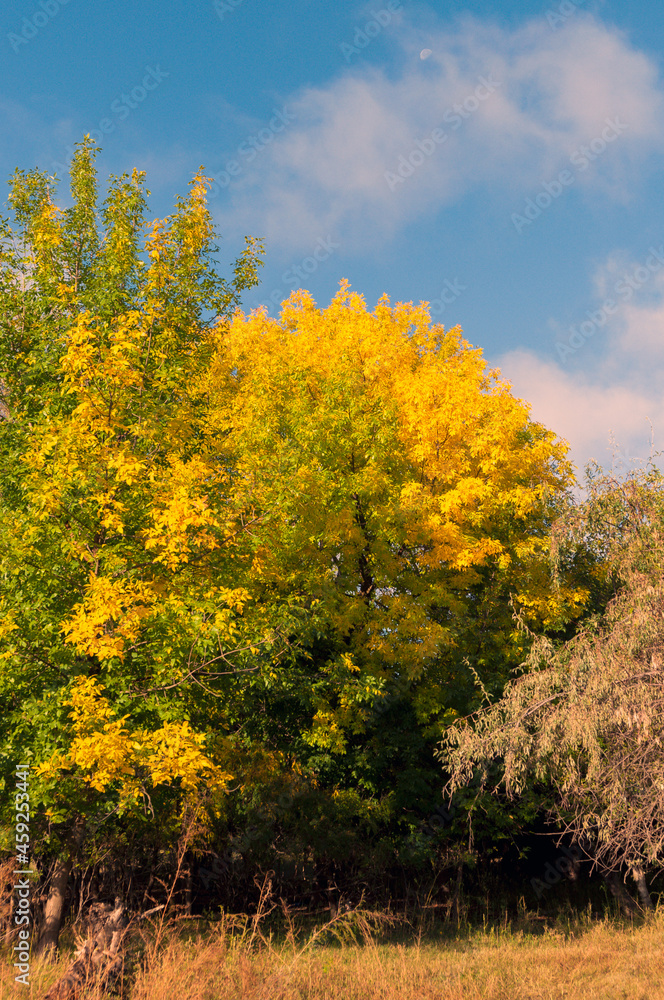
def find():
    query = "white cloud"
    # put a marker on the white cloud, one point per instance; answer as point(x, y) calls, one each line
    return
point(608, 383)
point(554, 92)
point(586, 413)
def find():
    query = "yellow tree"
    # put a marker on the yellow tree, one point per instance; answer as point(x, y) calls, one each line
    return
point(121, 612)
point(219, 529)
point(403, 487)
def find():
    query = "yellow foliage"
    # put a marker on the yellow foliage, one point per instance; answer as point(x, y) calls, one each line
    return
point(392, 472)
point(104, 751)
point(108, 619)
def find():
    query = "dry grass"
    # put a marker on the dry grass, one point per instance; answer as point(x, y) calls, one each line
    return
point(237, 960)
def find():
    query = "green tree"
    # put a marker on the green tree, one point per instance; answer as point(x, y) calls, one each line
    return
point(412, 496)
point(121, 614)
point(406, 490)
point(226, 541)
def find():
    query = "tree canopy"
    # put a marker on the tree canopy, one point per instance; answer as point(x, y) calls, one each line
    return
point(116, 531)
point(586, 717)
point(239, 552)
point(402, 486)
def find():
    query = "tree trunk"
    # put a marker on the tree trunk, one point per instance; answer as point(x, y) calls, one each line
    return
point(55, 902)
point(644, 895)
point(454, 909)
point(189, 887)
point(619, 893)
point(99, 959)
point(54, 908)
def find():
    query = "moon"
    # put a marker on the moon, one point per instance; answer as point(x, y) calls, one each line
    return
point(425, 53)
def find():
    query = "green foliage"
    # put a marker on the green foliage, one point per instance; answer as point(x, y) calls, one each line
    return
point(236, 550)
point(117, 586)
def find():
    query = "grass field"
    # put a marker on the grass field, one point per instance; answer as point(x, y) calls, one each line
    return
point(583, 959)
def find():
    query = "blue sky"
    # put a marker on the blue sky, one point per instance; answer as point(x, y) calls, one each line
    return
point(502, 162)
